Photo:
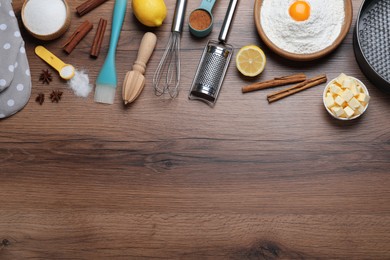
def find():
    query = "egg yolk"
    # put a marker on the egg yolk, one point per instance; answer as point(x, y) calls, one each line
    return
point(299, 10)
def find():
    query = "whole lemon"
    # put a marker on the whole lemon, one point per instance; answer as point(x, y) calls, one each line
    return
point(150, 12)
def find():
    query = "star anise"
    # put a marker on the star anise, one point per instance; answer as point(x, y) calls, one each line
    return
point(45, 77)
point(55, 96)
point(40, 98)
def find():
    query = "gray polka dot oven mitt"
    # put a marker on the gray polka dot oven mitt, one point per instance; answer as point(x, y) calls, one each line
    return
point(15, 79)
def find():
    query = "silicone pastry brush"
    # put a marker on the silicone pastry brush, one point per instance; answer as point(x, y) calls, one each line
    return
point(106, 81)
point(135, 79)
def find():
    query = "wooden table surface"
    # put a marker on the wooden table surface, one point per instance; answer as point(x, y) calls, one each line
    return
point(176, 179)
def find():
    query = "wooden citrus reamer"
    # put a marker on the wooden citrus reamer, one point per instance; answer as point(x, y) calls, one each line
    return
point(135, 80)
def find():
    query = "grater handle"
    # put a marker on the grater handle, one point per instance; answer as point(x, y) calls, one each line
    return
point(178, 18)
point(228, 20)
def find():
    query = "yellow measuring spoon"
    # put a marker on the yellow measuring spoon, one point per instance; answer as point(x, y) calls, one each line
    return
point(66, 71)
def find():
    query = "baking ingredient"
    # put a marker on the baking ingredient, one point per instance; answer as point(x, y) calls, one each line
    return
point(45, 77)
point(250, 60)
point(98, 39)
point(299, 10)
point(150, 12)
point(309, 83)
point(40, 98)
point(80, 84)
point(44, 17)
point(55, 96)
point(88, 6)
point(280, 81)
point(77, 36)
point(317, 32)
point(345, 97)
point(200, 20)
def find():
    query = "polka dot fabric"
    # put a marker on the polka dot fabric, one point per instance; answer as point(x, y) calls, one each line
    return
point(15, 79)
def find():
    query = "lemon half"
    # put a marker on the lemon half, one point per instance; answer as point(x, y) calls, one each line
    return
point(250, 60)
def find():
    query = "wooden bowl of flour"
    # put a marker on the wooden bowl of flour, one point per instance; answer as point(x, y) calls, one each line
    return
point(299, 56)
point(46, 19)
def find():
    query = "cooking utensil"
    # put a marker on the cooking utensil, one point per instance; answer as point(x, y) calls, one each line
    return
point(205, 7)
point(214, 63)
point(135, 81)
point(304, 57)
point(169, 66)
point(371, 42)
point(66, 71)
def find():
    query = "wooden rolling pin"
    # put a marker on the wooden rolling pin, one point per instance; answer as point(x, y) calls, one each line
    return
point(135, 80)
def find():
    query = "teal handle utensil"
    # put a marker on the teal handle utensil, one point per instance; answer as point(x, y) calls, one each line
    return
point(204, 10)
point(106, 81)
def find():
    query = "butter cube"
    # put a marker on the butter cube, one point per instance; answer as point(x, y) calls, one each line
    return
point(340, 79)
point(335, 89)
point(348, 83)
point(363, 98)
point(338, 111)
point(329, 101)
point(347, 95)
point(354, 103)
point(355, 90)
point(349, 111)
point(360, 110)
point(339, 101)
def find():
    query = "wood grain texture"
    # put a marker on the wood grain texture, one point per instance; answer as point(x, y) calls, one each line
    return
point(175, 179)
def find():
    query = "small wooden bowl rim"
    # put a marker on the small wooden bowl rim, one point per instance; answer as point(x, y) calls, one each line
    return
point(304, 57)
point(52, 36)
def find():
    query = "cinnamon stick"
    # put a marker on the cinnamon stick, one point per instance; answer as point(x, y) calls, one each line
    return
point(88, 6)
point(97, 41)
point(275, 82)
point(77, 36)
point(297, 88)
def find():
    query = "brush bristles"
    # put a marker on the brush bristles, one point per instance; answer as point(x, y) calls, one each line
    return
point(105, 94)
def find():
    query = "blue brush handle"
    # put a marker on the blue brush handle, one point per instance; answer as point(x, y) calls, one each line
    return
point(207, 5)
point(107, 75)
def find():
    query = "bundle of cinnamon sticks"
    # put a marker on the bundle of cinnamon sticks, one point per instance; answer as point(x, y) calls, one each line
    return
point(300, 78)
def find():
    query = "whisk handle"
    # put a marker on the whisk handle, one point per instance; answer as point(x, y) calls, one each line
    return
point(227, 21)
point(178, 19)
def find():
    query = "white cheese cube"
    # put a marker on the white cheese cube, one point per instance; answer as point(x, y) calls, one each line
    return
point(339, 101)
point(338, 111)
point(329, 101)
point(347, 95)
point(335, 89)
point(340, 79)
point(349, 111)
point(363, 98)
point(354, 103)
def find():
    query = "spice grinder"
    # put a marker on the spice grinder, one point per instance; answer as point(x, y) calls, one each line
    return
point(372, 42)
point(214, 63)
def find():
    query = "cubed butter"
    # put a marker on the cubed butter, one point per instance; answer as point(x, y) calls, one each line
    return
point(354, 103)
point(340, 79)
point(360, 109)
point(347, 95)
point(338, 111)
point(335, 89)
point(355, 90)
point(363, 98)
point(339, 101)
point(348, 83)
point(329, 101)
point(349, 111)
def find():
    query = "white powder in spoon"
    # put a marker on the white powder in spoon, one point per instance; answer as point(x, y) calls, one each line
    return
point(80, 84)
point(44, 17)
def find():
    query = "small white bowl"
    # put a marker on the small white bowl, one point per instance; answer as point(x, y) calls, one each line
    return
point(344, 118)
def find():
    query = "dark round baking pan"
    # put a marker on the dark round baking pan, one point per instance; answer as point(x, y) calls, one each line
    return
point(372, 42)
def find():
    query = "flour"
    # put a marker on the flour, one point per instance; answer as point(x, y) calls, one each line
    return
point(44, 17)
point(310, 36)
point(80, 84)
